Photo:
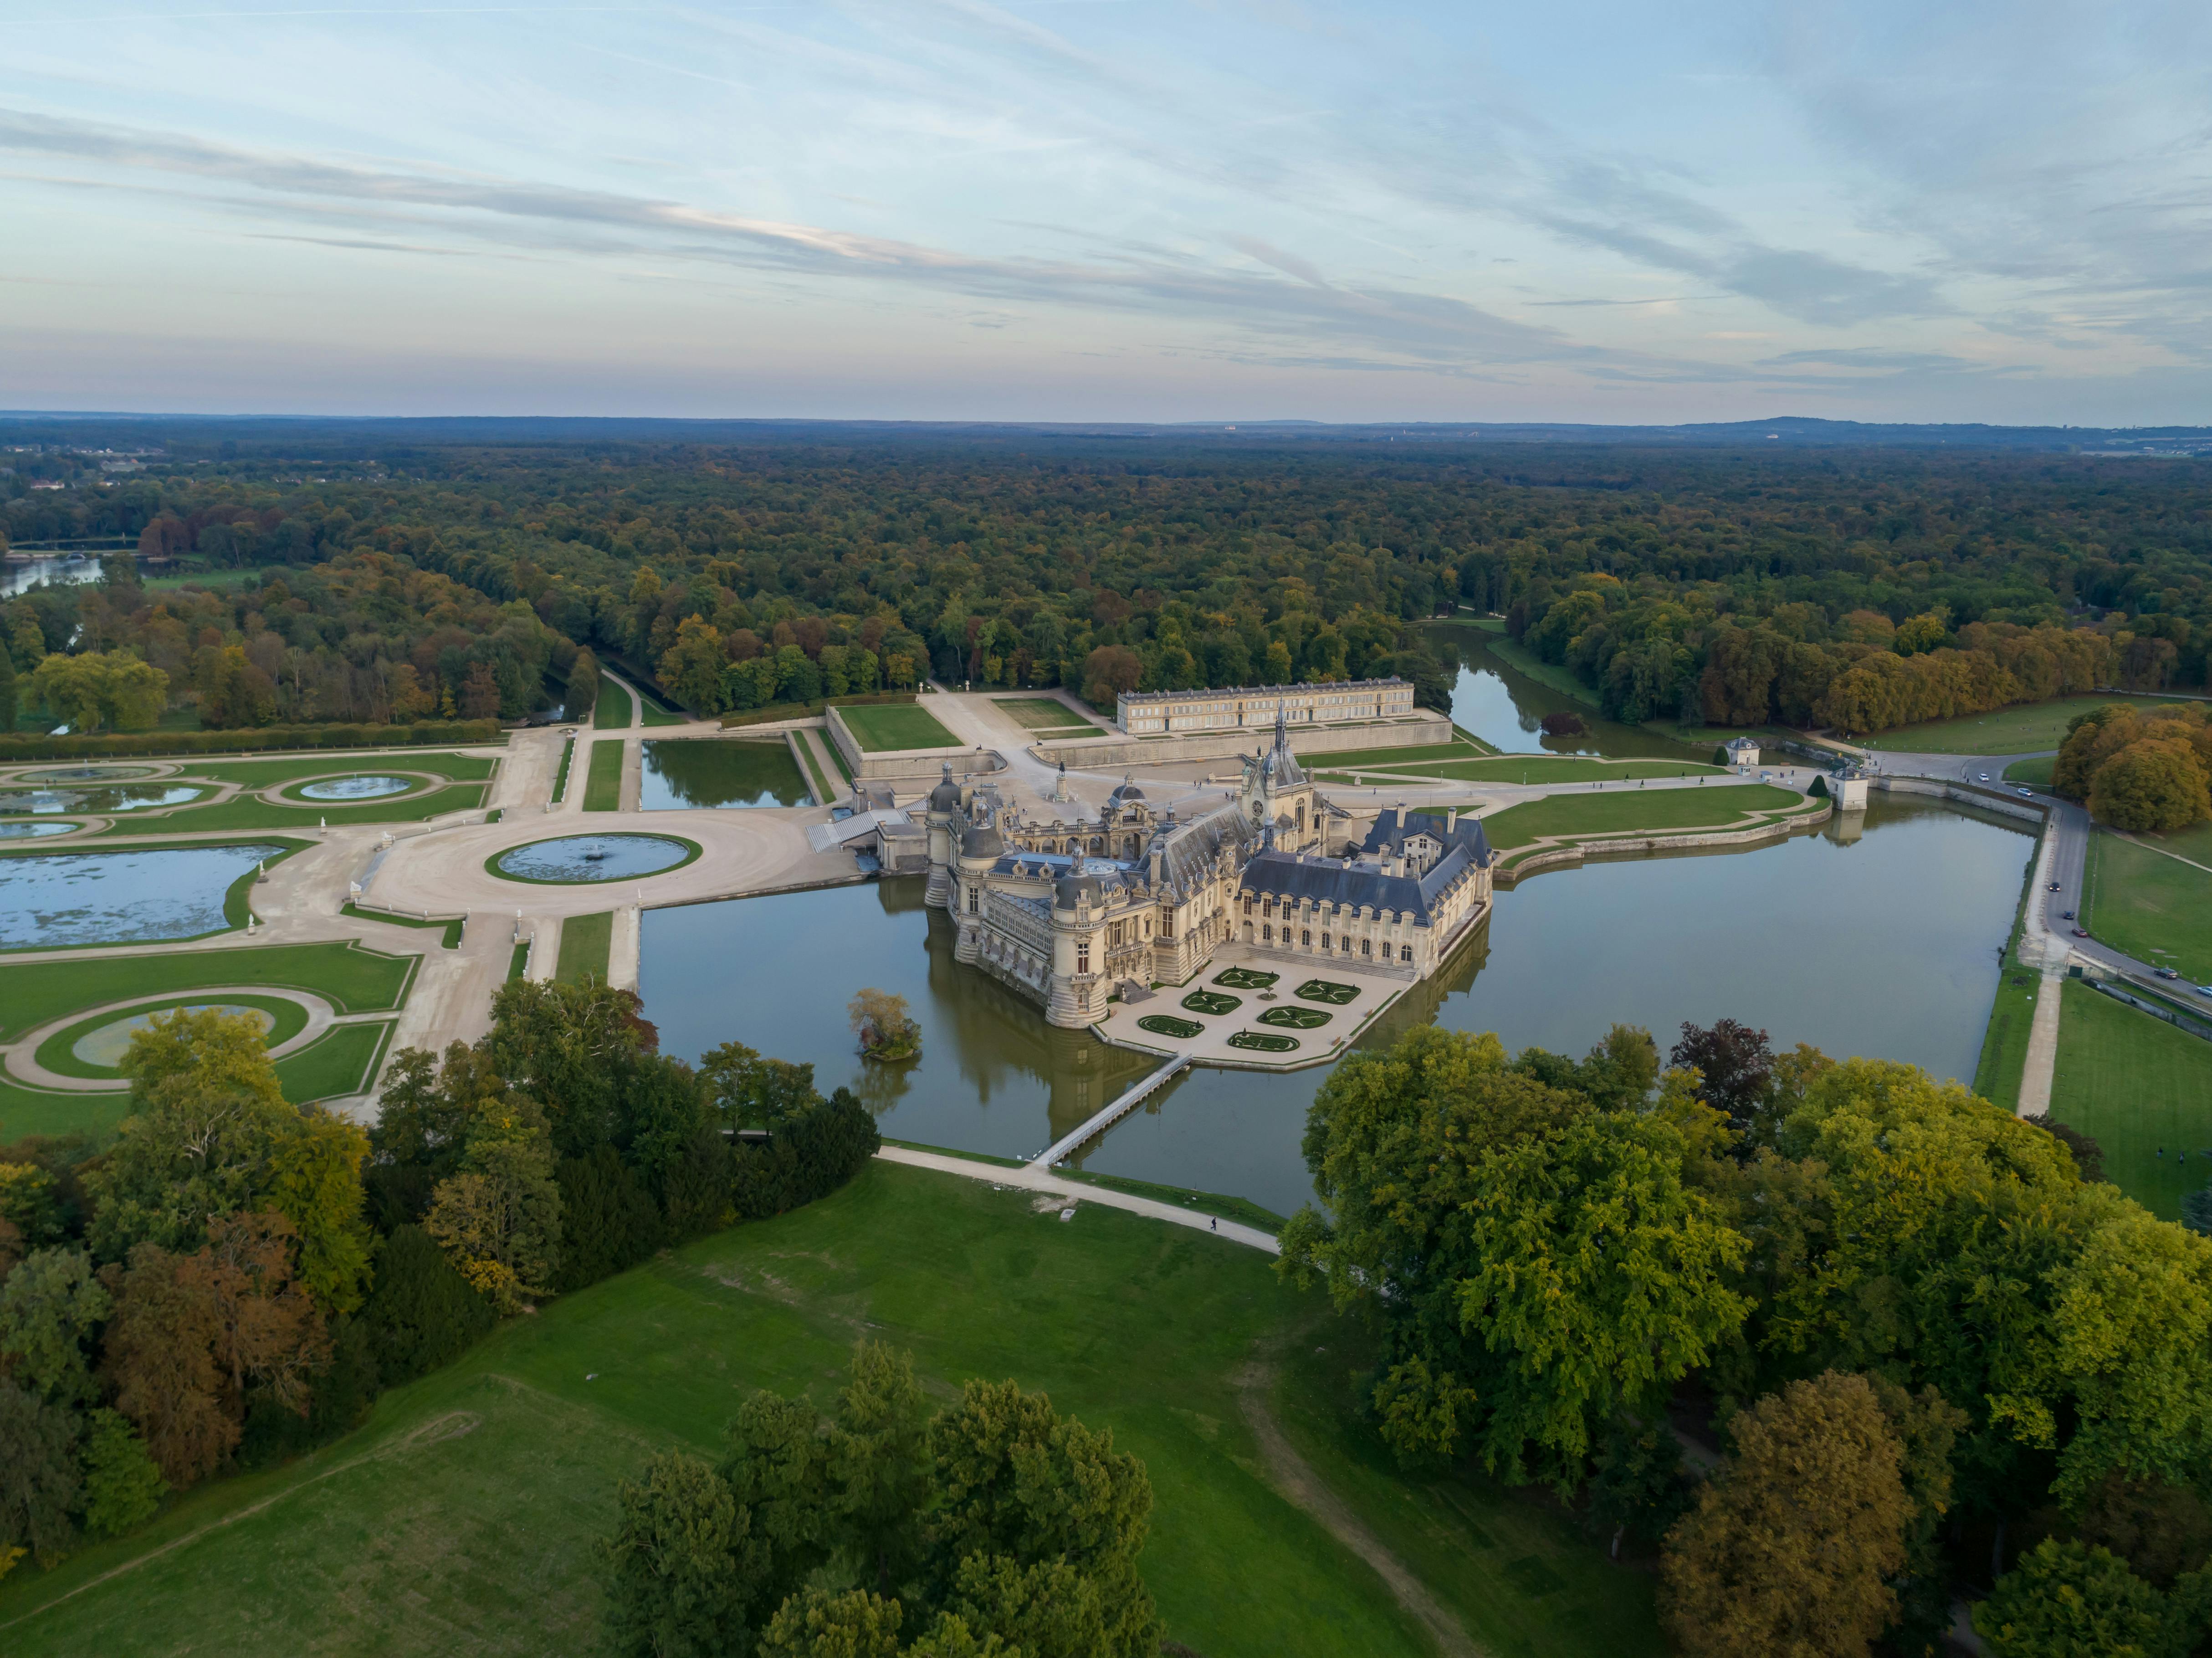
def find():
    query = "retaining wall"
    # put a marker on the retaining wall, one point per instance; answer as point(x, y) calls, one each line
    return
point(1426, 726)
point(1643, 845)
point(2011, 805)
point(907, 763)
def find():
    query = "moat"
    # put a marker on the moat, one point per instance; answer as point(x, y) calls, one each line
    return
point(1877, 935)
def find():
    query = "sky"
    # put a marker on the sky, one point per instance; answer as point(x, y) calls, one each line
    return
point(1112, 209)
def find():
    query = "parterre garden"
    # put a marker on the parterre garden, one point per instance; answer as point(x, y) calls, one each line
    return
point(1212, 1002)
point(881, 727)
point(265, 794)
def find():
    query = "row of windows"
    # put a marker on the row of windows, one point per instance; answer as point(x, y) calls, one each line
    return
point(1343, 943)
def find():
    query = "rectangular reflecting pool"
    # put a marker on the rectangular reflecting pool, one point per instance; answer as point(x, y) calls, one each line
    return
point(51, 899)
point(730, 772)
point(1875, 937)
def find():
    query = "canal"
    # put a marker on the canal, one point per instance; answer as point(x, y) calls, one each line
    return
point(1876, 936)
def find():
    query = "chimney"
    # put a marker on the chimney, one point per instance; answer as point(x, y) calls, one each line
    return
point(1451, 820)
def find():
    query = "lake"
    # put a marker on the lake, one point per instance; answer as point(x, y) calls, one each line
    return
point(1876, 937)
point(1503, 705)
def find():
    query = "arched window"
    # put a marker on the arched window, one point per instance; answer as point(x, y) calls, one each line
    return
point(1365, 947)
point(1404, 952)
point(1266, 935)
point(1305, 938)
point(1324, 941)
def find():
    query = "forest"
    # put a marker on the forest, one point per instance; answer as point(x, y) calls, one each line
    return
point(1853, 589)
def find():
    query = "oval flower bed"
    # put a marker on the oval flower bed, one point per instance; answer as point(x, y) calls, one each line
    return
point(1295, 1018)
point(1261, 1042)
point(1211, 1001)
point(1326, 990)
point(1166, 1025)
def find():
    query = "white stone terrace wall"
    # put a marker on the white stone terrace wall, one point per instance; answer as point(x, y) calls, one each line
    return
point(1424, 726)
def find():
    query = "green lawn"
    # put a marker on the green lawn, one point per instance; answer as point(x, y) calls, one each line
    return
point(25, 1112)
point(586, 941)
point(351, 977)
point(2156, 908)
point(2035, 772)
point(342, 1061)
point(1629, 812)
point(603, 787)
point(341, 762)
point(613, 712)
point(2012, 1017)
point(2136, 1084)
point(58, 1053)
point(1411, 754)
point(518, 962)
point(2022, 730)
point(1041, 713)
point(822, 791)
point(656, 715)
point(454, 929)
point(837, 755)
point(561, 777)
point(1557, 768)
point(463, 1517)
point(881, 727)
point(249, 812)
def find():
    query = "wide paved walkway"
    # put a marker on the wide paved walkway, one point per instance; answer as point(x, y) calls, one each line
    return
point(1029, 1178)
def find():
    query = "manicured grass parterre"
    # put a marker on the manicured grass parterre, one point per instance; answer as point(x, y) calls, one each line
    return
point(343, 1060)
point(561, 777)
point(1262, 1043)
point(466, 1515)
point(2035, 771)
point(655, 715)
point(306, 767)
point(518, 960)
point(1296, 1019)
point(821, 739)
point(1244, 978)
point(2022, 730)
point(2154, 907)
point(351, 977)
point(1211, 1001)
point(251, 812)
point(884, 727)
point(58, 1053)
point(603, 783)
point(1042, 714)
point(613, 711)
point(820, 784)
point(2136, 1086)
point(1414, 754)
point(585, 943)
point(1166, 1025)
point(1326, 990)
point(452, 929)
point(26, 1112)
point(1631, 811)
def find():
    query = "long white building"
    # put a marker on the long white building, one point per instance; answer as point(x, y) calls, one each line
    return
point(1158, 714)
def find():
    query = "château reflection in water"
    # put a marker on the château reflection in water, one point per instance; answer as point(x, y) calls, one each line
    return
point(1874, 937)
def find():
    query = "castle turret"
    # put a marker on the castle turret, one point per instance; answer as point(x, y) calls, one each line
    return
point(944, 805)
point(980, 847)
point(1076, 993)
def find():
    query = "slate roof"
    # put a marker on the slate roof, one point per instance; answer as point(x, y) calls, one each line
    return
point(1188, 850)
point(1337, 881)
point(1393, 824)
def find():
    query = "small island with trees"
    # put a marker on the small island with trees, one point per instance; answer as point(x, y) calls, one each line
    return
point(887, 1034)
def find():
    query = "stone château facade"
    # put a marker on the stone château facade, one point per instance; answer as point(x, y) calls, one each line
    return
point(1072, 910)
point(1155, 714)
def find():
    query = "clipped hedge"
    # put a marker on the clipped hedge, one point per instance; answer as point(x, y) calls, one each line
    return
point(109, 745)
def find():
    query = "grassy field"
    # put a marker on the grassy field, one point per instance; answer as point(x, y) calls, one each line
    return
point(1409, 755)
point(2136, 1085)
point(1631, 811)
point(2034, 771)
point(2022, 730)
point(655, 714)
point(822, 791)
point(613, 712)
point(2012, 1017)
point(452, 929)
point(561, 777)
point(518, 960)
point(837, 756)
point(58, 1053)
point(248, 812)
point(25, 1112)
point(2156, 908)
point(464, 1516)
point(342, 1061)
point(1042, 713)
point(882, 727)
point(586, 941)
point(351, 977)
point(1554, 769)
point(603, 786)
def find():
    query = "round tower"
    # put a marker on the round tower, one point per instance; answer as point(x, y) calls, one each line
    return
point(1075, 996)
point(980, 847)
point(944, 805)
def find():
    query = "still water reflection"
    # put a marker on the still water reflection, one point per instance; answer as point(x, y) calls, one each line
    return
point(719, 772)
point(51, 899)
point(63, 570)
point(1878, 939)
point(1505, 707)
